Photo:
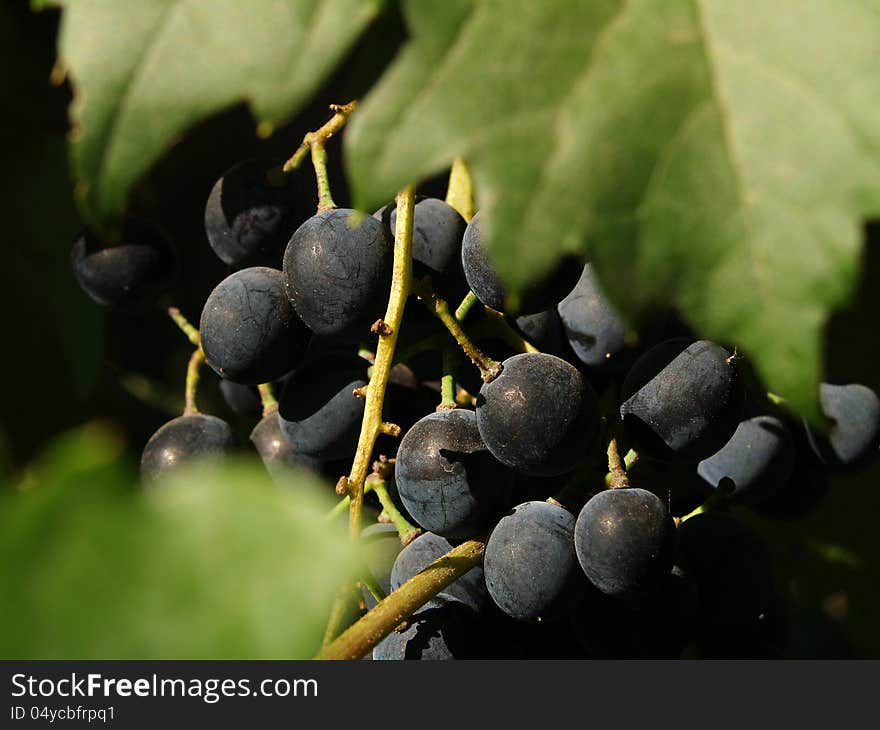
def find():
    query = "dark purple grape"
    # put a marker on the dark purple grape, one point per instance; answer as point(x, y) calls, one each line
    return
point(530, 565)
point(682, 400)
point(250, 333)
point(544, 330)
point(854, 432)
point(337, 270)
point(436, 244)
point(625, 540)
point(251, 213)
point(446, 477)
point(243, 400)
point(183, 440)
point(276, 451)
point(539, 416)
point(128, 274)
point(594, 329)
point(758, 460)
point(485, 282)
point(443, 629)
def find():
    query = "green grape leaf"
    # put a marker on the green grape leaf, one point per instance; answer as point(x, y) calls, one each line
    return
point(711, 155)
point(145, 72)
point(217, 562)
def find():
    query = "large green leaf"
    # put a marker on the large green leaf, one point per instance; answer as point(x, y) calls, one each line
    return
point(219, 562)
point(144, 71)
point(714, 155)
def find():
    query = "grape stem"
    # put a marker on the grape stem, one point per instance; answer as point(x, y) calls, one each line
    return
point(463, 309)
point(718, 498)
point(314, 143)
point(348, 594)
point(355, 483)
point(447, 382)
point(357, 640)
point(342, 505)
point(618, 480)
point(405, 530)
point(373, 586)
point(267, 397)
point(390, 429)
point(631, 458)
point(192, 381)
point(195, 361)
point(375, 396)
point(192, 334)
point(460, 191)
point(489, 368)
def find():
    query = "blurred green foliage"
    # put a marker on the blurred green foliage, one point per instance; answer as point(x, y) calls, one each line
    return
point(218, 562)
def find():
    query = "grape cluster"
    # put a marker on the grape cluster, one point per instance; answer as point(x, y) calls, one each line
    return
point(603, 465)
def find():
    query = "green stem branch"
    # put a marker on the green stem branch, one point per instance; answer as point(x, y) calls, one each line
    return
point(460, 192)
point(267, 397)
point(461, 312)
point(372, 585)
point(341, 113)
point(374, 397)
point(358, 639)
point(314, 143)
point(319, 162)
point(489, 368)
point(405, 530)
point(401, 279)
point(619, 480)
point(447, 382)
point(192, 334)
point(341, 507)
point(192, 381)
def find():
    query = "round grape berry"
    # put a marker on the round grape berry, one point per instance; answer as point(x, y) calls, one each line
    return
point(337, 270)
point(436, 244)
point(128, 274)
point(183, 440)
point(276, 451)
point(446, 477)
point(539, 416)
point(530, 565)
point(594, 330)
point(442, 629)
point(625, 540)
point(854, 433)
point(682, 400)
point(251, 212)
point(486, 284)
point(249, 331)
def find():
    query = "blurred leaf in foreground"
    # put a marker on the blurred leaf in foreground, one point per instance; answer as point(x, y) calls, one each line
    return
point(216, 562)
